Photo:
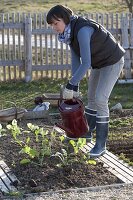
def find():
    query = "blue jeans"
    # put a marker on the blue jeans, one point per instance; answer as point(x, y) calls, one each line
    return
point(100, 85)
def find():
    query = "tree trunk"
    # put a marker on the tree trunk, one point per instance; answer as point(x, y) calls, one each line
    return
point(130, 5)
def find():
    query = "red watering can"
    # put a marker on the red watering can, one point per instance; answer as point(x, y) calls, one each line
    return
point(72, 113)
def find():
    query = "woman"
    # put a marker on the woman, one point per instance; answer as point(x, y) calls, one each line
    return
point(92, 47)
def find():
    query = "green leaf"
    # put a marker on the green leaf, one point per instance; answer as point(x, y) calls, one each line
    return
point(81, 142)
point(62, 138)
point(45, 152)
point(29, 151)
point(53, 134)
point(25, 131)
point(0, 126)
point(76, 150)
point(73, 143)
point(27, 140)
point(91, 162)
point(26, 149)
point(14, 122)
point(33, 153)
point(9, 126)
point(25, 161)
point(32, 127)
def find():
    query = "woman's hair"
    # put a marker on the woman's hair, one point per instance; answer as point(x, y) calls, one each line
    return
point(59, 12)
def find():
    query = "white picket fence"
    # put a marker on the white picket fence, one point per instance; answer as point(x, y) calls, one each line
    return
point(29, 48)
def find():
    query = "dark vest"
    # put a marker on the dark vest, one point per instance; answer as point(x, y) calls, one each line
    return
point(105, 50)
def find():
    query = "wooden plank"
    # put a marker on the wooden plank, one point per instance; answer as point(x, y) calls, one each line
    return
point(92, 15)
point(62, 58)
point(125, 42)
point(35, 42)
point(19, 48)
point(101, 19)
point(3, 48)
point(3, 39)
point(24, 54)
point(6, 178)
point(45, 22)
point(110, 169)
point(28, 61)
point(46, 44)
point(131, 39)
point(112, 20)
point(117, 26)
point(7, 170)
point(3, 187)
point(19, 39)
point(41, 48)
point(119, 167)
point(116, 161)
point(11, 25)
point(9, 48)
point(11, 62)
point(50, 67)
point(107, 21)
point(43, 31)
point(14, 46)
point(52, 53)
point(46, 52)
point(4, 73)
point(67, 60)
point(56, 54)
point(14, 40)
point(97, 17)
point(8, 38)
point(121, 162)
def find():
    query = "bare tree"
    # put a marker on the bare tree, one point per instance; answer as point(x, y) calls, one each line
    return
point(130, 5)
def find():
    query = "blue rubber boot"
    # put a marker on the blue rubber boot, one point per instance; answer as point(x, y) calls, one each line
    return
point(101, 137)
point(91, 119)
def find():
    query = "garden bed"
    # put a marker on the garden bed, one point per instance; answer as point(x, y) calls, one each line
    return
point(121, 135)
point(53, 174)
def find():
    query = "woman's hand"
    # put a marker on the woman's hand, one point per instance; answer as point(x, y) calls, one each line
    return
point(76, 91)
point(70, 91)
point(67, 94)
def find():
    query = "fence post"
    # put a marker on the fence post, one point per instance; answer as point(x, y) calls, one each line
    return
point(126, 45)
point(131, 39)
point(28, 49)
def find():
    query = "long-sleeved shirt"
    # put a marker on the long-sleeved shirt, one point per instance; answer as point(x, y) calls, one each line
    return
point(80, 65)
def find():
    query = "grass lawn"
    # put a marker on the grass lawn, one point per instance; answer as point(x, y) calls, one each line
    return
point(23, 94)
point(80, 6)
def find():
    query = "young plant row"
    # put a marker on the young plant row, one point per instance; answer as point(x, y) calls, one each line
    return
point(36, 144)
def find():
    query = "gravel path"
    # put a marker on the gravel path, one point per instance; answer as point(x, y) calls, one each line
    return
point(117, 192)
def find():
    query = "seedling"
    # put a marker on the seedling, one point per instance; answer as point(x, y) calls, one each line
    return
point(43, 142)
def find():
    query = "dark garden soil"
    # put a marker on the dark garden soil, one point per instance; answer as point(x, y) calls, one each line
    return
point(52, 174)
point(121, 134)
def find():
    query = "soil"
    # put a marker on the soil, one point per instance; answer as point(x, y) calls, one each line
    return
point(77, 174)
point(122, 135)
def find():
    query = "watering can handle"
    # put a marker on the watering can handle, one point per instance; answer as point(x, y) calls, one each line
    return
point(74, 99)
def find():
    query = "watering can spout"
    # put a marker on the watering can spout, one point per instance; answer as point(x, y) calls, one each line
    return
point(67, 130)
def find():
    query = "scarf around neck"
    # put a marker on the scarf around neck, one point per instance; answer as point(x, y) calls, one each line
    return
point(65, 36)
